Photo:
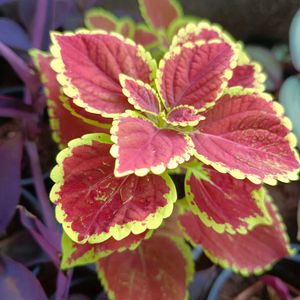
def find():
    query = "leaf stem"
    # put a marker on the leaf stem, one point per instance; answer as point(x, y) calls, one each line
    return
point(39, 185)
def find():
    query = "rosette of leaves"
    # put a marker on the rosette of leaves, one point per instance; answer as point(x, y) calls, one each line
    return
point(124, 122)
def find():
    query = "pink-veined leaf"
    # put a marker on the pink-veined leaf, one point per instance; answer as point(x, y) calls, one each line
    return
point(141, 147)
point(160, 268)
point(94, 82)
point(248, 76)
point(98, 18)
point(67, 120)
point(144, 36)
point(203, 30)
point(74, 254)
point(160, 14)
point(249, 253)
point(224, 203)
point(248, 136)
point(183, 115)
point(195, 74)
point(93, 205)
point(141, 95)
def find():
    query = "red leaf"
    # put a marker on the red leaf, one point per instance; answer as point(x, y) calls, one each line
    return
point(253, 252)
point(224, 203)
point(126, 27)
point(74, 254)
point(160, 14)
point(247, 136)
point(160, 268)
point(140, 146)
point(248, 76)
point(67, 120)
point(98, 18)
point(94, 82)
point(93, 205)
point(183, 115)
point(144, 36)
point(140, 95)
point(195, 74)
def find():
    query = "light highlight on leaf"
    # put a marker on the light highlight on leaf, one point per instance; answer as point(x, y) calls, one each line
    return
point(247, 135)
point(140, 147)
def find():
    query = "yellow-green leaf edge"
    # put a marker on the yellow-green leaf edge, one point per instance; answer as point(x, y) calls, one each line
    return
point(69, 89)
point(258, 197)
point(189, 267)
point(89, 257)
point(173, 163)
point(290, 138)
point(118, 232)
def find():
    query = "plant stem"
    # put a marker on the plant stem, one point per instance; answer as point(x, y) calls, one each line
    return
point(39, 185)
point(39, 23)
point(15, 113)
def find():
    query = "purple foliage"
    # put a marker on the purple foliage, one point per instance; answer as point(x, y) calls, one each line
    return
point(10, 176)
point(17, 282)
point(13, 35)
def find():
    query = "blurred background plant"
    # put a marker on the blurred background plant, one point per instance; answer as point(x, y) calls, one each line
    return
point(29, 235)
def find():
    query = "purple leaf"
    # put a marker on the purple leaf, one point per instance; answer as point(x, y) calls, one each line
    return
point(278, 285)
point(47, 239)
point(26, 12)
point(61, 11)
point(40, 26)
point(36, 16)
point(63, 284)
point(295, 40)
point(269, 63)
point(12, 35)
point(19, 66)
point(17, 282)
point(10, 176)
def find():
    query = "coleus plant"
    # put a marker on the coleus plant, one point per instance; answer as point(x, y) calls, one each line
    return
point(125, 122)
